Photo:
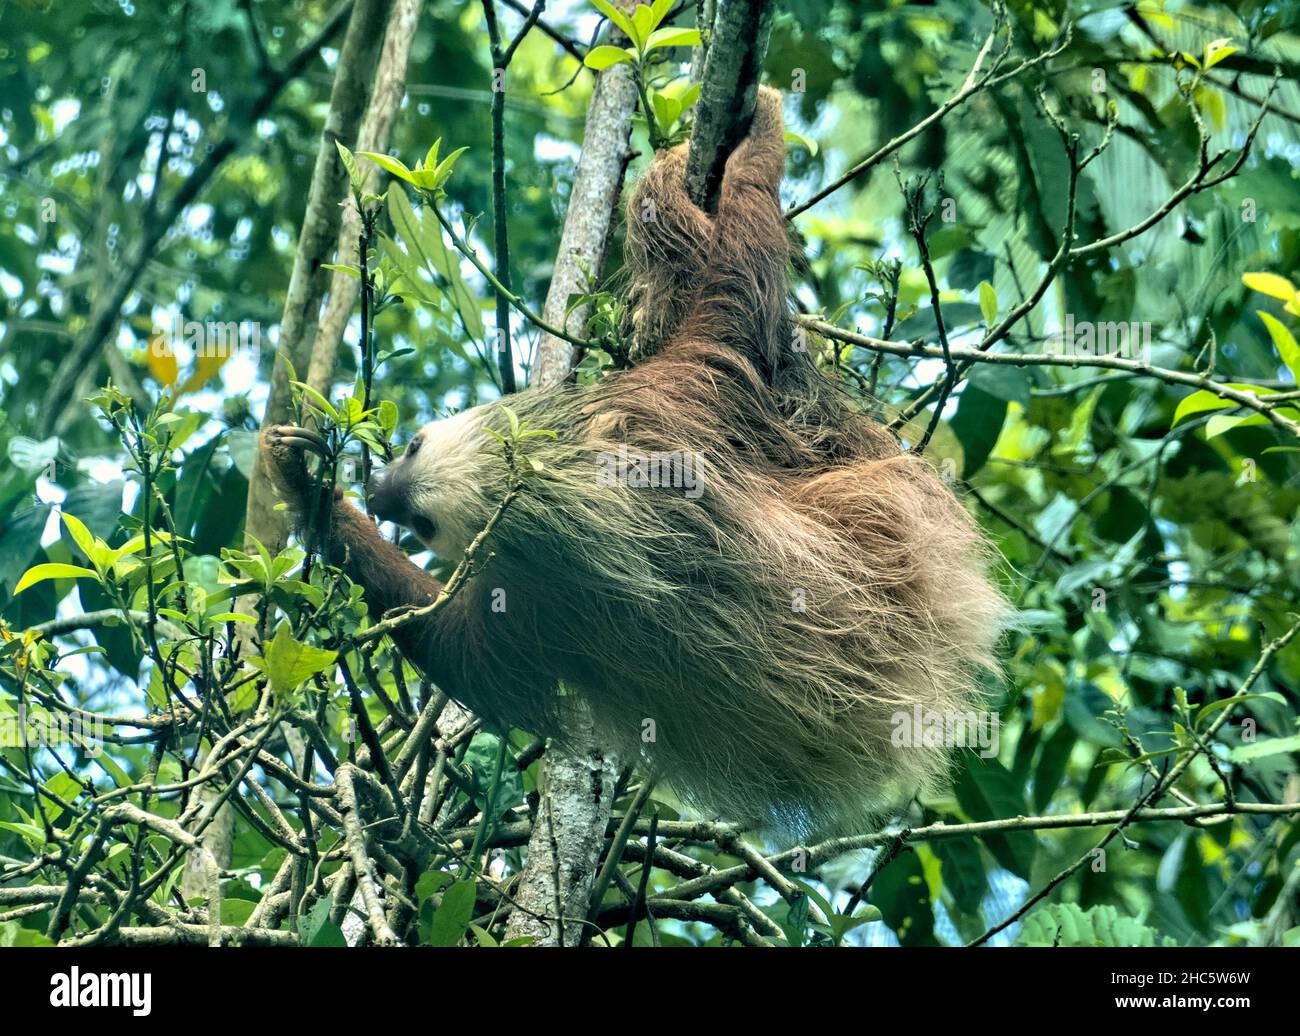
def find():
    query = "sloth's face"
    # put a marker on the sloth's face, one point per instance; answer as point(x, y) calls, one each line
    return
point(432, 488)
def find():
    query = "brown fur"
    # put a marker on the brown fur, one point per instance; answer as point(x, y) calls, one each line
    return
point(655, 606)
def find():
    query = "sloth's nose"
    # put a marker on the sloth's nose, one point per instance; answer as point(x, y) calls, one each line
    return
point(387, 493)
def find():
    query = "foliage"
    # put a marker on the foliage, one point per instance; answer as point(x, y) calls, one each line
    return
point(1143, 506)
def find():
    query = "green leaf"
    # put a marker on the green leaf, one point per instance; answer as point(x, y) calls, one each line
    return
point(393, 165)
point(666, 110)
point(315, 399)
point(963, 872)
point(988, 791)
point(643, 20)
point(290, 663)
point(1067, 924)
point(1217, 50)
point(988, 302)
point(80, 534)
point(431, 156)
point(30, 832)
point(316, 929)
point(424, 239)
point(1220, 423)
point(482, 936)
point(600, 58)
point(1203, 400)
point(901, 894)
point(444, 168)
point(40, 573)
point(13, 934)
point(453, 915)
point(1223, 703)
point(791, 137)
point(1261, 749)
point(618, 18)
point(842, 924)
point(350, 164)
point(672, 37)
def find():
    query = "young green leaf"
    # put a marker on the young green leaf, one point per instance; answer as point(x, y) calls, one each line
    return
point(618, 18)
point(392, 165)
point(1199, 402)
point(290, 663)
point(798, 139)
point(51, 570)
point(318, 401)
point(600, 58)
point(988, 303)
point(350, 164)
point(643, 20)
point(1217, 50)
point(672, 37)
point(431, 156)
point(80, 534)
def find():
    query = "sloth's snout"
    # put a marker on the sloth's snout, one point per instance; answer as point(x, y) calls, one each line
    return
point(389, 494)
point(386, 491)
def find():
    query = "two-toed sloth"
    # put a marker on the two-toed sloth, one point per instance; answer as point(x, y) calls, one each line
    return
point(756, 639)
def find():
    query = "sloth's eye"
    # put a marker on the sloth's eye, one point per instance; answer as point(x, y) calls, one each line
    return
point(413, 447)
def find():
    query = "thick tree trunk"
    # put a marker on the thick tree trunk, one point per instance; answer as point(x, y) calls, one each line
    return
point(381, 113)
point(306, 287)
point(569, 831)
point(568, 834)
point(593, 207)
point(316, 242)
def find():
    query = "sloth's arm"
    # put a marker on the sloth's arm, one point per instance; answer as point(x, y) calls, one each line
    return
point(741, 296)
point(758, 161)
point(446, 646)
point(350, 540)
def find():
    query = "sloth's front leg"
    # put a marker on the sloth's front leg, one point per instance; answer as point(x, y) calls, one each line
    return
point(286, 465)
point(350, 539)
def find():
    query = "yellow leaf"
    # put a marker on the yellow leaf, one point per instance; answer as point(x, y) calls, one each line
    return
point(1270, 284)
point(162, 361)
point(1217, 51)
point(206, 368)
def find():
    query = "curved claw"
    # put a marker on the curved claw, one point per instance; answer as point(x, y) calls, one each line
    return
point(303, 438)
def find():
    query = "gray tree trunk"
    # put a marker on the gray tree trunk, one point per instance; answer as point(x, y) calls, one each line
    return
point(316, 242)
point(569, 831)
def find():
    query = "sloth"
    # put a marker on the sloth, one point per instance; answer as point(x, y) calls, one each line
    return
point(755, 622)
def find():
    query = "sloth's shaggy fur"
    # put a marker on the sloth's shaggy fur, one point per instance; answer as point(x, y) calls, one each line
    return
point(771, 628)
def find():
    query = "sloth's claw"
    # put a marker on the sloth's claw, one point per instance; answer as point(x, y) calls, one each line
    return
point(302, 438)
